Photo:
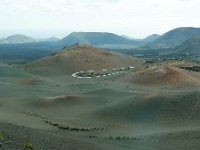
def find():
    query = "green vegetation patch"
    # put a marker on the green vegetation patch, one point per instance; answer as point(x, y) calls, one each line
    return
point(28, 145)
point(1, 136)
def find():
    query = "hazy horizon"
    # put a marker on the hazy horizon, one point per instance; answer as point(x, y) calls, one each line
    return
point(136, 19)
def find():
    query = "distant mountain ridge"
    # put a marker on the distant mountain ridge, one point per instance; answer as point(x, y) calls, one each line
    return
point(131, 38)
point(191, 46)
point(17, 38)
point(175, 37)
point(151, 38)
point(51, 39)
point(180, 40)
point(96, 39)
point(23, 39)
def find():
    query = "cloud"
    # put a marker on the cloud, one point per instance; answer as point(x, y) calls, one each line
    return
point(21, 8)
point(136, 18)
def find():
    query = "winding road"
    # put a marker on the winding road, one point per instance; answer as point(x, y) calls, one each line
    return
point(89, 74)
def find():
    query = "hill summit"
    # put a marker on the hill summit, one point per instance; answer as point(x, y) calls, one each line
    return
point(17, 39)
point(95, 39)
point(82, 57)
point(175, 37)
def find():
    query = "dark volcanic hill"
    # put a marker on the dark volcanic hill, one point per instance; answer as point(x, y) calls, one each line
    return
point(151, 38)
point(96, 39)
point(191, 46)
point(175, 37)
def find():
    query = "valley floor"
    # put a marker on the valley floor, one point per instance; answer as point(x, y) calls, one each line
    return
point(116, 112)
point(17, 137)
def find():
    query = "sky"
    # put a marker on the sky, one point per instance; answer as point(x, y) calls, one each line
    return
point(135, 18)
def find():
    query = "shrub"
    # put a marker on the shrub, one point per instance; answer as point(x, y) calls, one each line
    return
point(93, 136)
point(74, 129)
point(64, 127)
point(28, 145)
point(118, 138)
point(1, 136)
